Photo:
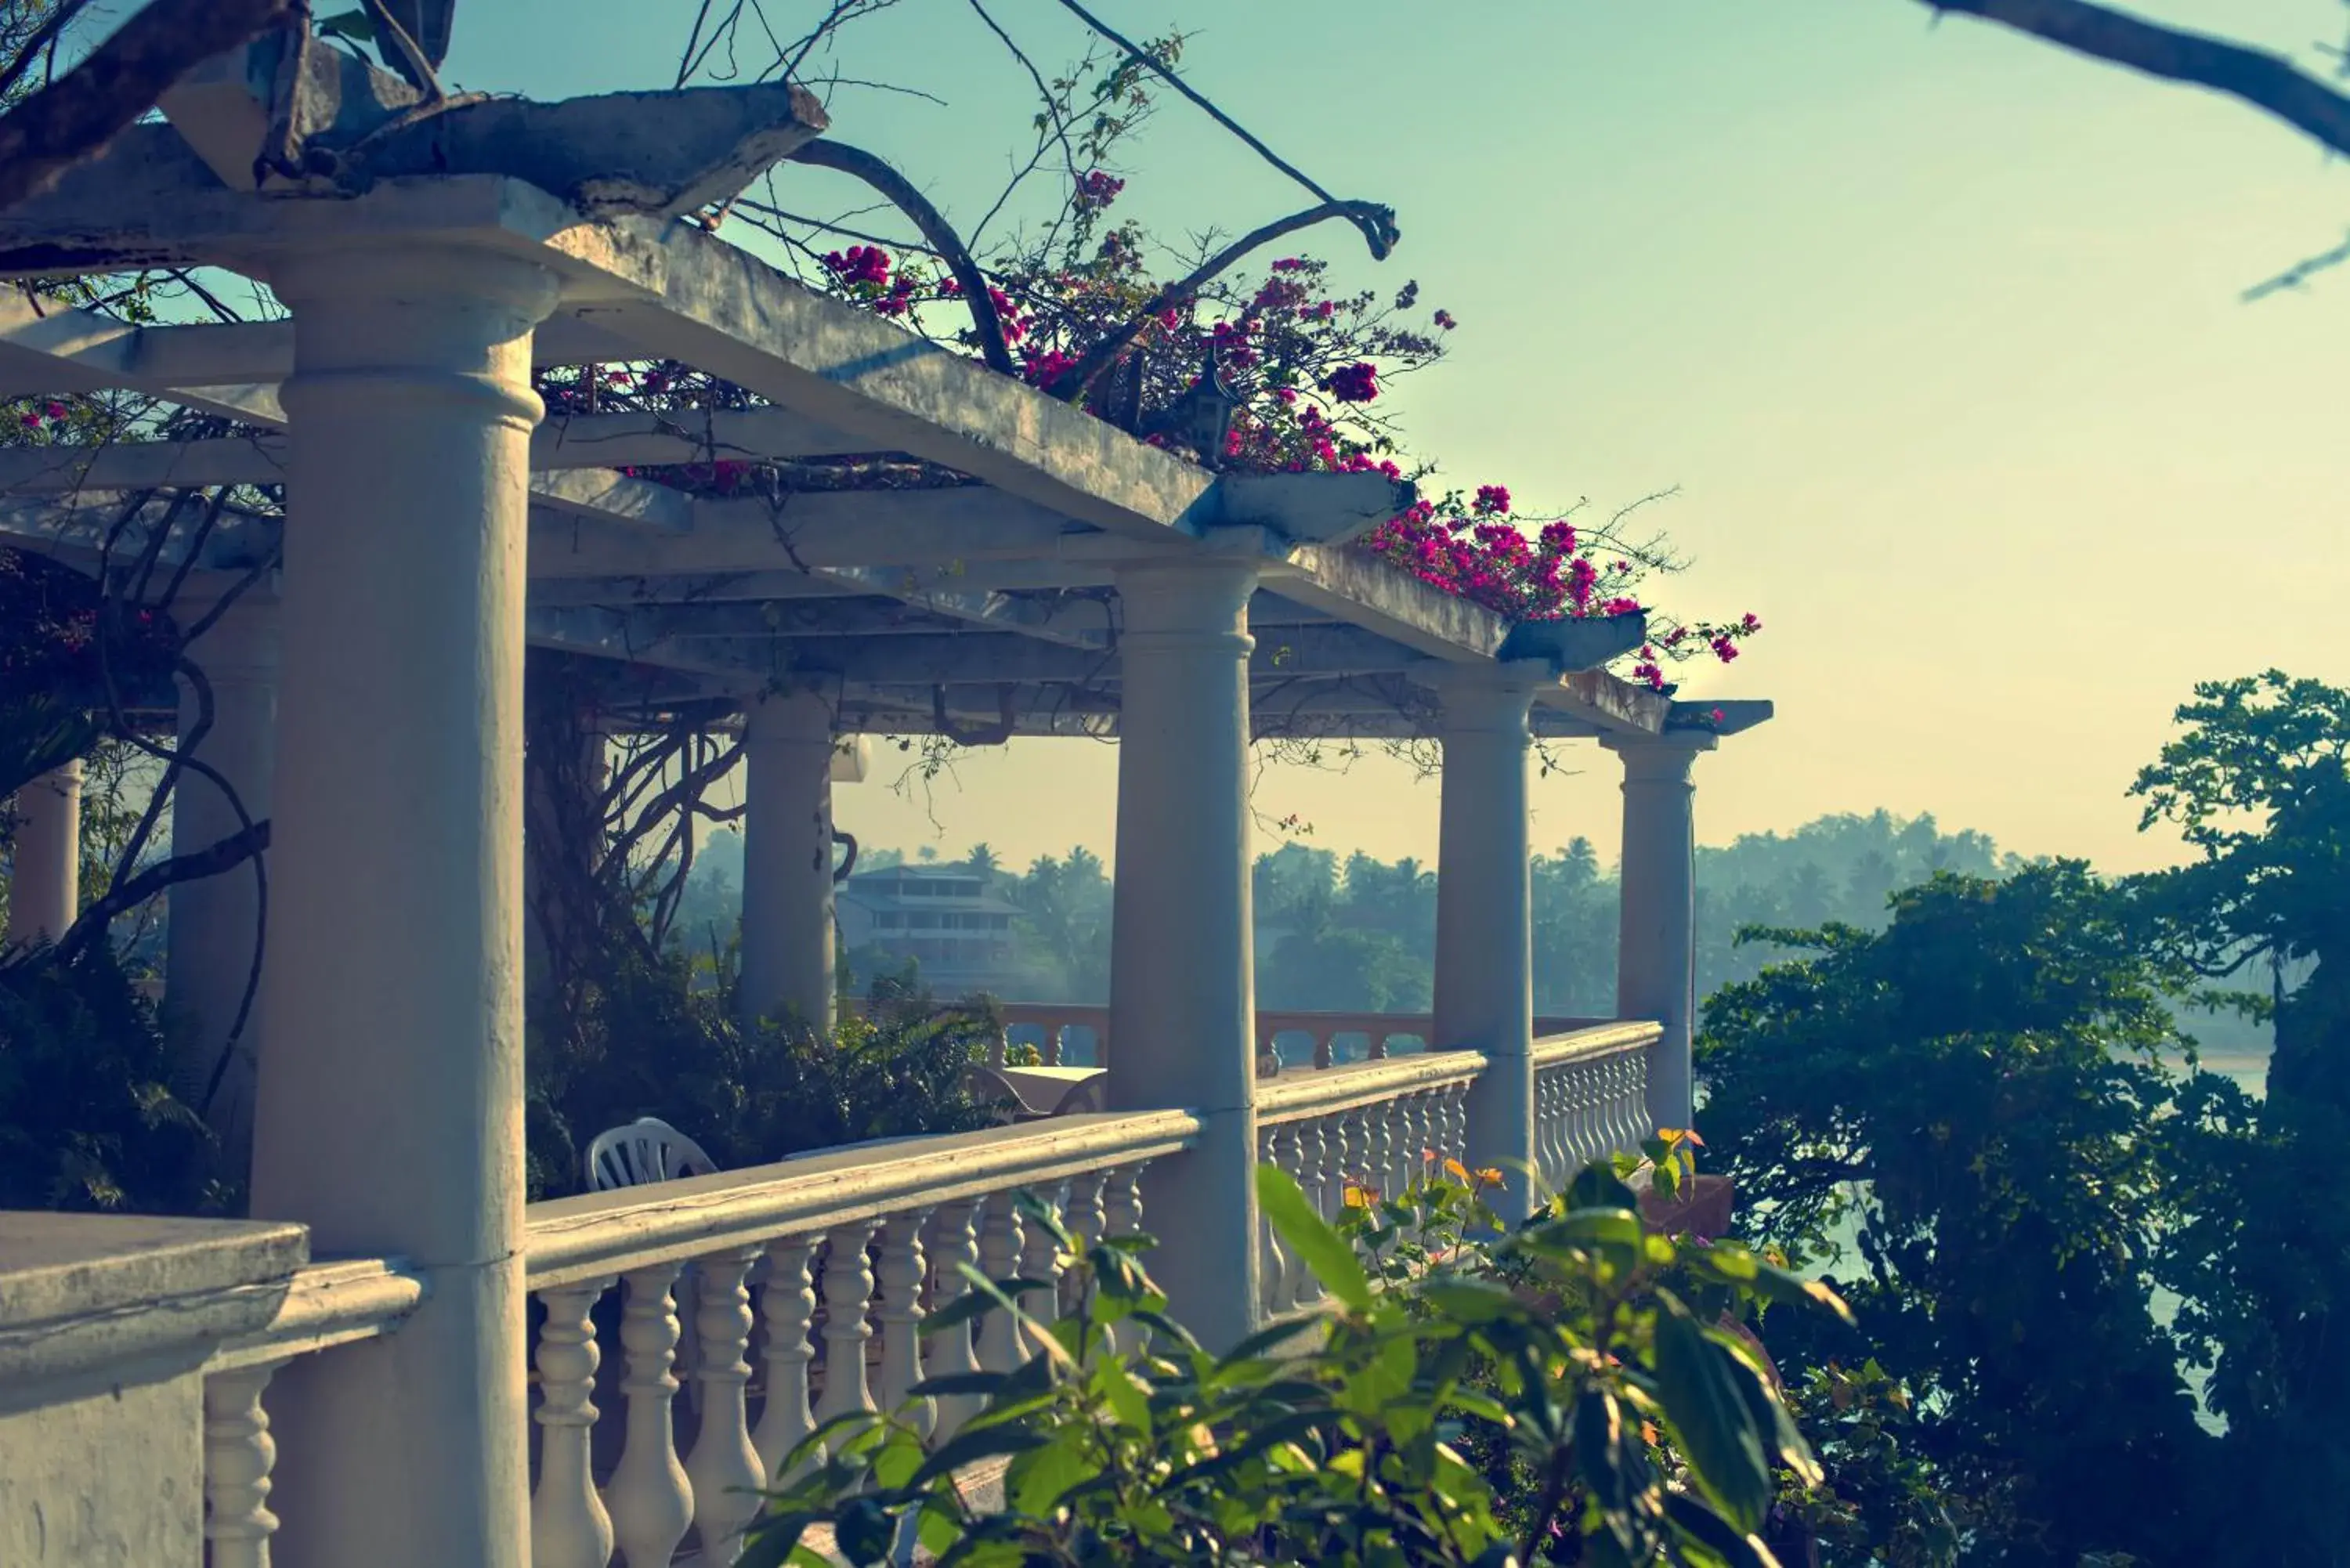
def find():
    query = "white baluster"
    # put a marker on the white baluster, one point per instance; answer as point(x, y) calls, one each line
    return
point(723, 1469)
point(569, 1526)
point(999, 1258)
point(1051, 1050)
point(1619, 1127)
point(1403, 1149)
point(1546, 1129)
point(787, 1306)
point(1040, 1260)
point(1312, 1175)
point(1122, 1204)
point(1321, 1048)
point(1086, 1220)
point(1413, 1109)
point(848, 1292)
point(1564, 1095)
point(1336, 1164)
point(999, 1049)
point(1636, 1065)
point(239, 1454)
point(1272, 1288)
point(1371, 1136)
point(650, 1499)
point(1580, 1132)
point(954, 1242)
point(1378, 1051)
point(900, 1312)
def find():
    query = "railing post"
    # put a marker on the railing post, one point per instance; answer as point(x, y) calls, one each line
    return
point(787, 895)
point(389, 1105)
point(1656, 958)
point(1182, 973)
point(1484, 922)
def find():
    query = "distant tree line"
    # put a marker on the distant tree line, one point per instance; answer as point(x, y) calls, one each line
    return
point(1351, 933)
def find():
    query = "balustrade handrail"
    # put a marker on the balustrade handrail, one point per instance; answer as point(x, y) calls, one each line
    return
point(596, 1235)
point(1596, 1040)
point(324, 1305)
point(1294, 1096)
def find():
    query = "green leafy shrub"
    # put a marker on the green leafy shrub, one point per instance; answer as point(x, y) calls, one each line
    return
point(650, 1043)
point(88, 1117)
point(1604, 1356)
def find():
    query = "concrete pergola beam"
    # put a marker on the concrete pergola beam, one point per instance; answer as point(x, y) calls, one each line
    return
point(233, 368)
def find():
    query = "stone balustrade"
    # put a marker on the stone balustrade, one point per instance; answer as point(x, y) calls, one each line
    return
point(1591, 1096)
point(810, 1282)
point(844, 1254)
point(1061, 1028)
point(327, 1305)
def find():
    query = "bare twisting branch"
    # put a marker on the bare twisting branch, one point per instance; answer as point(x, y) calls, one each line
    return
point(1073, 382)
point(825, 154)
point(2266, 81)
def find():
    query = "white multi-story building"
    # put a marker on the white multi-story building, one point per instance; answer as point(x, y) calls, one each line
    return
point(948, 919)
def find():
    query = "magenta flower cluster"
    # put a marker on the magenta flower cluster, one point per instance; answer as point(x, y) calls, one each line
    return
point(1354, 383)
point(1480, 553)
point(1096, 191)
point(1309, 367)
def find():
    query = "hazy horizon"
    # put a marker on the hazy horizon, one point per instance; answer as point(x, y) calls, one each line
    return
point(1938, 331)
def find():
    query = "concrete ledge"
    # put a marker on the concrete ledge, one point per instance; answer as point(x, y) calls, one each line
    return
point(101, 1295)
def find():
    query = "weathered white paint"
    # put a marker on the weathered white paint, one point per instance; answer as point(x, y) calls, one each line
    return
point(389, 1108)
point(1182, 966)
point(1484, 997)
point(215, 929)
point(105, 1322)
point(787, 921)
point(1656, 962)
point(44, 858)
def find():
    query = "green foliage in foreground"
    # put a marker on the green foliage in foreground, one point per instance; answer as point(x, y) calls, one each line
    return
point(1604, 1361)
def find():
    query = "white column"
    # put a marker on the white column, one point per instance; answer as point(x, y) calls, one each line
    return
point(1484, 919)
point(44, 857)
point(215, 921)
point(788, 933)
point(389, 1113)
point(1183, 989)
point(1656, 957)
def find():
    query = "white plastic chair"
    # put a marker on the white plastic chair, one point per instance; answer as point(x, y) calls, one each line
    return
point(647, 1149)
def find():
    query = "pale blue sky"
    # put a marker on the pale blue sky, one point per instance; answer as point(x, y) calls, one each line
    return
point(1938, 330)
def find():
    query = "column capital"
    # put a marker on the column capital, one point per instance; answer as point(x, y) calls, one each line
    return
point(1659, 758)
point(240, 646)
point(419, 326)
point(786, 718)
point(1189, 599)
point(1489, 694)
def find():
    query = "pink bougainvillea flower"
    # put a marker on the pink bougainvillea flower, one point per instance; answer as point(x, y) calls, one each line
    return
point(860, 265)
point(1354, 383)
point(1096, 190)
